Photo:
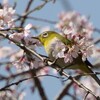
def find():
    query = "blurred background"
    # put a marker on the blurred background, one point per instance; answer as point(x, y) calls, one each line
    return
point(43, 19)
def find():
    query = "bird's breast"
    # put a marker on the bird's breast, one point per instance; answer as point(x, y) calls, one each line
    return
point(49, 45)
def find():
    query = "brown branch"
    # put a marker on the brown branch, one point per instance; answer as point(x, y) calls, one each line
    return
point(85, 74)
point(38, 7)
point(39, 86)
point(96, 41)
point(64, 91)
point(74, 97)
point(15, 83)
point(96, 30)
point(26, 10)
point(18, 74)
point(86, 96)
point(78, 83)
point(20, 81)
point(29, 5)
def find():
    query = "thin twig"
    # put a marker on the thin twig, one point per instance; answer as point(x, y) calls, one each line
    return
point(26, 10)
point(26, 13)
point(65, 90)
point(96, 41)
point(97, 30)
point(39, 86)
point(20, 81)
point(38, 7)
point(86, 96)
point(85, 74)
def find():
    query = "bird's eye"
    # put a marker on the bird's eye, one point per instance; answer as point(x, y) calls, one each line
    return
point(45, 34)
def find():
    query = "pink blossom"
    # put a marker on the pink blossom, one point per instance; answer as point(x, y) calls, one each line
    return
point(6, 17)
point(58, 49)
point(16, 36)
point(22, 95)
point(73, 22)
point(44, 71)
point(16, 55)
point(25, 34)
point(79, 46)
point(27, 28)
point(21, 66)
point(68, 58)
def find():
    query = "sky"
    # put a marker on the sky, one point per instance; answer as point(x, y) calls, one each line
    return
point(51, 11)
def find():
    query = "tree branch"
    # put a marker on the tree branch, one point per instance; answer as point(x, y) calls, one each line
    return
point(65, 90)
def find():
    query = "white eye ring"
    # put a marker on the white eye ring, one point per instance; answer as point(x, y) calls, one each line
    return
point(45, 34)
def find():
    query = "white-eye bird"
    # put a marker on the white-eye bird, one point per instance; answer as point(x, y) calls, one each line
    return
point(48, 38)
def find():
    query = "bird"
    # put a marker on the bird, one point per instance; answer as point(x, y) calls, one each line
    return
point(48, 38)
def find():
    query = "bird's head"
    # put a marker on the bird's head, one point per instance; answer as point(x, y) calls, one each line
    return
point(48, 36)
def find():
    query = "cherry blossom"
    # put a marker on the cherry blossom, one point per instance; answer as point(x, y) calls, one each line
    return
point(12, 95)
point(26, 31)
point(73, 22)
point(6, 17)
point(58, 52)
point(79, 45)
point(24, 36)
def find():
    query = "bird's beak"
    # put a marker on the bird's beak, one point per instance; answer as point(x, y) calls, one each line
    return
point(35, 38)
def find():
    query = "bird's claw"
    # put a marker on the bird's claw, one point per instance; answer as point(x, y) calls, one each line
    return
point(60, 71)
point(49, 62)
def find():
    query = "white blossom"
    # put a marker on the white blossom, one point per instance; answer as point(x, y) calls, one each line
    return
point(6, 17)
point(79, 46)
point(26, 31)
point(58, 49)
point(73, 22)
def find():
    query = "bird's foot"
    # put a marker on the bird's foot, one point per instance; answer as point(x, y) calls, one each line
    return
point(48, 62)
point(60, 71)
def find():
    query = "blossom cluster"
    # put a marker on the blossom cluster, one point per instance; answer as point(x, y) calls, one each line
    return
point(74, 22)
point(76, 47)
point(12, 95)
point(7, 17)
point(7, 21)
point(20, 35)
point(77, 29)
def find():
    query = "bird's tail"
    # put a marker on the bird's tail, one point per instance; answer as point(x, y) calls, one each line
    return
point(88, 70)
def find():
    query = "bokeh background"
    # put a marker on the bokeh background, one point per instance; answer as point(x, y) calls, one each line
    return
point(50, 11)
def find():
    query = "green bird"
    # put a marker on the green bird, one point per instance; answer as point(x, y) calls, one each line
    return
point(50, 37)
